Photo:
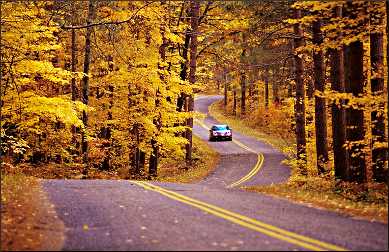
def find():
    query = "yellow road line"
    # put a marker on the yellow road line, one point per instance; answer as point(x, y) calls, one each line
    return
point(253, 224)
point(253, 171)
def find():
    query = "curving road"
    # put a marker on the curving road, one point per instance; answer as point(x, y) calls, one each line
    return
point(211, 215)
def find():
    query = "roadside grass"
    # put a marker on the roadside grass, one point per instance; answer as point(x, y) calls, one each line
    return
point(367, 201)
point(28, 220)
point(205, 160)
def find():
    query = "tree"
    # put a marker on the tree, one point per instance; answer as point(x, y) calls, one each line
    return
point(338, 112)
point(320, 103)
point(300, 95)
point(195, 7)
point(379, 153)
point(85, 83)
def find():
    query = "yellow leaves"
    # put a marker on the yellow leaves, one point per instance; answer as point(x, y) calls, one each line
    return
point(55, 109)
point(44, 69)
point(174, 38)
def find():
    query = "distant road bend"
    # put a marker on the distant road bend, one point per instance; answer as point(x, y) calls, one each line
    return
point(211, 215)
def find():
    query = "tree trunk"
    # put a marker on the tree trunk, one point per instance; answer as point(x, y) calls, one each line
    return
point(355, 130)
point(379, 155)
point(354, 84)
point(267, 87)
point(85, 84)
point(338, 112)
point(387, 77)
point(243, 77)
point(184, 69)
point(300, 94)
point(275, 83)
point(292, 71)
point(142, 161)
point(320, 103)
point(195, 7)
point(243, 93)
point(234, 105)
point(75, 92)
point(74, 65)
point(225, 90)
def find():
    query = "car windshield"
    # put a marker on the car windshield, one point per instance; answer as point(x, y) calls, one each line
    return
point(220, 127)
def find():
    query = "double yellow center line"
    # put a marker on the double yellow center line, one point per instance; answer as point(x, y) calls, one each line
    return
point(253, 171)
point(250, 223)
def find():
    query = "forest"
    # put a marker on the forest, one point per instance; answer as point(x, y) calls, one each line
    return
point(110, 85)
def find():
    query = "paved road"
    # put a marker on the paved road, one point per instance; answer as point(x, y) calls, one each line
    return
point(211, 215)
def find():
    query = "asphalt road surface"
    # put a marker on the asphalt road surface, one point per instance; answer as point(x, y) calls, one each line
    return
point(211, 215)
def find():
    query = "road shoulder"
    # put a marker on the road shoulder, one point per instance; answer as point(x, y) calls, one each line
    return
point(28, 219)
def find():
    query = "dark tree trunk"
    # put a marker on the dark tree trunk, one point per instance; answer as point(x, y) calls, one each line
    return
point(267, 87)
point(243, 93)
point(300, 94)
point(195, 8)
point(292, 71)
point(184, 69)
point(275, 83)
point(154, 157)
point(153, 161)
point(75, 91)
point(355, 130)
point(234, 105)
point(387, 83)
point(107, 131)
point(225, 90)
point(354, 84)
point(243, 77)
point(338, 112)
point(387, 75)
point(320, 103)
point(379, 155)
point(73, 64)
point(142, 161)
point(85, 84)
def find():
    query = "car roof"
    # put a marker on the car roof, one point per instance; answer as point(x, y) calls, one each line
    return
point(220, 125)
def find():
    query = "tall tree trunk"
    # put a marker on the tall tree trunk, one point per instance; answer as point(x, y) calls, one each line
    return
point(300, 94)
point(75, 92)
point(74, 66)
point(275, 83)
point(243, 93)
point(387, 75)
point(85, 84)
point(387, 83)
point(243, 77)
point(379, 155)
point(320, 103)
point(225, 90)
point(354, 83)
point(154, 157)
point(355, 119)
point(184, 69)
point(338, 112)
point(107, 131)
point(195, 7)
point(234, 104)
point(292, 70)
point(267, 87)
